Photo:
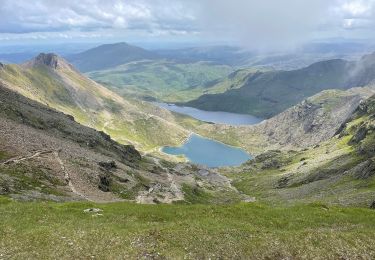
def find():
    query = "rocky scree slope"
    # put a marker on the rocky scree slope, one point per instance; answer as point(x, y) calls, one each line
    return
point(45, 154)
point(314, 120)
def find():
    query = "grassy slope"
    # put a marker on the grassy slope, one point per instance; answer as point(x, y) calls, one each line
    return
point(164, 80)
point(52, 230)
point(93, 105)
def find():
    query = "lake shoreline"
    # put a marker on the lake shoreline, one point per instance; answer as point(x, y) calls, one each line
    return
point(212, 117)
point(209, 152)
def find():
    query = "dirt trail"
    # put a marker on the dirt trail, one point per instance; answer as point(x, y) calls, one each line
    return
point(174, 187)
point(175, 190)
point(20, 159)
point(67, 176)
point(58, 159)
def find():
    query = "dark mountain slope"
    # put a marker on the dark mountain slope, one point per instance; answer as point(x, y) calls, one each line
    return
point(268, 93)
point(109, 55)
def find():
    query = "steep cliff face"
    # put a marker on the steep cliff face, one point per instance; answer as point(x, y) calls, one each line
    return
point(314, 120)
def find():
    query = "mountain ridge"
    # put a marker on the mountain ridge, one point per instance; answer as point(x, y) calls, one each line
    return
point(91, 104)
point(270, 92)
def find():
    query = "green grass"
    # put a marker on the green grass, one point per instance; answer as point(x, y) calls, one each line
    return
point(3, 155)
point(195, 195)
point(46, 230)
point(165, 80)
point(28, 177)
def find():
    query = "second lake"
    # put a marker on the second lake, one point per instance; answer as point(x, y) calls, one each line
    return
point(212, 116)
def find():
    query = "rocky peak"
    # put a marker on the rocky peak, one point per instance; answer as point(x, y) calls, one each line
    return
point(50, 60)
point(2, 66)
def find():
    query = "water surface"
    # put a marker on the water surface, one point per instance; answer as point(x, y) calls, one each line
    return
point(204, 151)
point(213, 116)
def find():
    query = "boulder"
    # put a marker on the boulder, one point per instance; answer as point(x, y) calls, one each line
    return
point(365, 170)
point(104, 183)
point(108, 165)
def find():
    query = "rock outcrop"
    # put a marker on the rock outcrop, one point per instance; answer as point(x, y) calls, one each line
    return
point(314, 120)
point(50, 60)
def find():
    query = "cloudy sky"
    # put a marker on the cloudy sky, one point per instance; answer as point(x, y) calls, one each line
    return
point(251, 23)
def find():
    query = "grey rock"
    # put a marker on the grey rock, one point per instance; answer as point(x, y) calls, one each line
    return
point(104, 183)
point(108, 165)
point(92, 210)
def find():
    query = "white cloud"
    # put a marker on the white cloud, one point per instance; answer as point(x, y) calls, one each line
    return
point(265, 23)
point(357, 7)
point(20, 16)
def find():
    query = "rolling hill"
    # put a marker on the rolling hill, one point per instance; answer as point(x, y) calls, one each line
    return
point(108, 56)
point(161, 79)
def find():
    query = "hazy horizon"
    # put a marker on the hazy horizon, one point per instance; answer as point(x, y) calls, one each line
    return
point(267, 25)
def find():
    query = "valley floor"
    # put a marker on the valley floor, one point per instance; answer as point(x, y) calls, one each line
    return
point(47, 230)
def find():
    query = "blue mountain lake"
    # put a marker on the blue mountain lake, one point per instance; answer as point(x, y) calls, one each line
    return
point(204, 151)
point(212, 116)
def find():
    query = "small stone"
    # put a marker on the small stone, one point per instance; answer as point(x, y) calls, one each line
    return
point(249, 199)
point(92, 210)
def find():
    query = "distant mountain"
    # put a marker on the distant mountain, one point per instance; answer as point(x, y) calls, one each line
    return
point(266, 94)
point(227, 55)
point(108, 56)
point(281, 60)
point(52, 81)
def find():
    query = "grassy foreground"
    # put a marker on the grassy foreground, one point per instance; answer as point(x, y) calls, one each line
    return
point(47, 230)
